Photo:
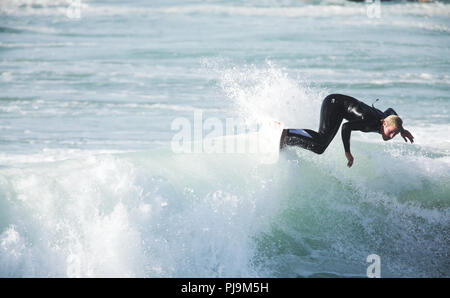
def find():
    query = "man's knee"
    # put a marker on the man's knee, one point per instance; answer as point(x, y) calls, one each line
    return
point(319, 149)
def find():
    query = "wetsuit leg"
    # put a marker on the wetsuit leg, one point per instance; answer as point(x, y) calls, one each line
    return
point(331, 116)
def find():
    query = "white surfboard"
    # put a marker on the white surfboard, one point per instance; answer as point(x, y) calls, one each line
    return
point(262, 144)
point(269, 140)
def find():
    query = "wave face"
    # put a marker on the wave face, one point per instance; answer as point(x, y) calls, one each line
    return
point(90, 185)
point(159, 214)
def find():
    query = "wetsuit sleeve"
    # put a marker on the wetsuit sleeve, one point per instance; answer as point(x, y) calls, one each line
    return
point(347, 130)
point(390, 111)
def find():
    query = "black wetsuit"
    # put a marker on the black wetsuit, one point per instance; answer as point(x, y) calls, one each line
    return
point(335, 108)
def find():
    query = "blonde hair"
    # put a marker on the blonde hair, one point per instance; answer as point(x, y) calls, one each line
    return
point(394, 120)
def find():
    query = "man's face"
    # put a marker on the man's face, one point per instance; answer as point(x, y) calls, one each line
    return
point(389, 132)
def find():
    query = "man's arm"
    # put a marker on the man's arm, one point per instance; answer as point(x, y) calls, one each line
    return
point(346, 132)
point(406, 134)
point(390, 111)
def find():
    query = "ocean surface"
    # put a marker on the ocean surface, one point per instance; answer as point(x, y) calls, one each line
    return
point(90, 184)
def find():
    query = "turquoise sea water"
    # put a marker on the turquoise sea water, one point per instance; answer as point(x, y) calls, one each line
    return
point(90, 185)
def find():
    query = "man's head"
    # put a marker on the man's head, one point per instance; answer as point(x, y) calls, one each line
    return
point(391, 126)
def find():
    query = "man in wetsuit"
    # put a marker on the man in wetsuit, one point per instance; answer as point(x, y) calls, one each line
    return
point(360, 116)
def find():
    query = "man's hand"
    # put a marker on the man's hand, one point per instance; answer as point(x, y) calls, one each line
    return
point(406, 134)
point(349, 158)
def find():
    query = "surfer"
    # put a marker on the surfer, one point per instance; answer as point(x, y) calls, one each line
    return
point(360, 116)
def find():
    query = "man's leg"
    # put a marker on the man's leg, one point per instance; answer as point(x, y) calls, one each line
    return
point(331, 116)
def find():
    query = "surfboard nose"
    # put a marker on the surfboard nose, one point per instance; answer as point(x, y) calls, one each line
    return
point(283, 139)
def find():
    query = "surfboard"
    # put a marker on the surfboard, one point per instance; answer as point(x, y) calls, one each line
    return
point(262, 143)
point(269, 140)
